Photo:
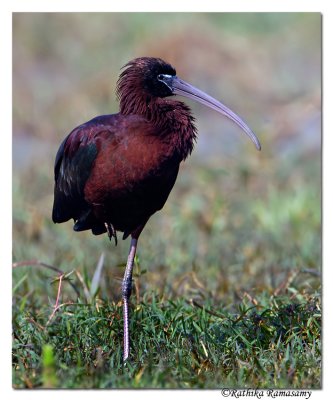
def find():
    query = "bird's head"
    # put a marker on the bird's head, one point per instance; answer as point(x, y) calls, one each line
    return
point(152, 78)
point(145, 74)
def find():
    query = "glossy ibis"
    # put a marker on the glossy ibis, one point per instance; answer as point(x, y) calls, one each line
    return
point(115, 171)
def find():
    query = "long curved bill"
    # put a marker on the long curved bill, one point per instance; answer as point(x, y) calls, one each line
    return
point(182, 88)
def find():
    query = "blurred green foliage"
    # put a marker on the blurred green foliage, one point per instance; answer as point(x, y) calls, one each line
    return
point(49, 377)
point(239, 226)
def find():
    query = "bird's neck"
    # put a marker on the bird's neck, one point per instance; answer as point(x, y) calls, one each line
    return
point(172, 120)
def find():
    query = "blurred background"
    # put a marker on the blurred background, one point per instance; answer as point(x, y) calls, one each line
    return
point(237, 220)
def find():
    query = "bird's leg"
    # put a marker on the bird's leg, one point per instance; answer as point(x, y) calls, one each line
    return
point(111, 232)
point(127, 287)
point(126, 293)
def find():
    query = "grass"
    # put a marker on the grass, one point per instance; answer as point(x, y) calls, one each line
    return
point(176, 344)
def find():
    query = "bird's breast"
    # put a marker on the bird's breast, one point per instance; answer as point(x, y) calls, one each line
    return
point(130, 164)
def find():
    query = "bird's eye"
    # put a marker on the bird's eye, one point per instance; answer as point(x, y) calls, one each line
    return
point(160, 77)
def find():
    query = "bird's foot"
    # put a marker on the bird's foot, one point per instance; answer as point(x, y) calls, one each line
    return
point(112, 233)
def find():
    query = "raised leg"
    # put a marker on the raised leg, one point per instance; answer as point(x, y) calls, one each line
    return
point(112, 233)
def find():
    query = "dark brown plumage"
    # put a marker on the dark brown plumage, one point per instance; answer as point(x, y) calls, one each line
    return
point(113, 172)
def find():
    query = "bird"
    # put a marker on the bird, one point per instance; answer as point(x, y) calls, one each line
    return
point(115, 171)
